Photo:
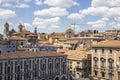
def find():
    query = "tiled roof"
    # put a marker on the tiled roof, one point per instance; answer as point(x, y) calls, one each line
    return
point(26, 32)
point(77, 54)
point(17, 38)
point(70, 42)
point(29, 55)
point(108, 43)
point(32, 35)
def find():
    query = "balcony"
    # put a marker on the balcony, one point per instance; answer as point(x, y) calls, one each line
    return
point(95, 66)
point(118, 68)
point(102, 67)
point(110, 67)
point(78, 68)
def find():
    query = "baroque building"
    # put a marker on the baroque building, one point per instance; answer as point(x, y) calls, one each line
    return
point(33, 66)
point(106, 60)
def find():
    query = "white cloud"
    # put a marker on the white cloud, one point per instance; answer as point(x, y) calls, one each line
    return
point(46, 23)
point(6, 13)
point(27, 0)
point(27, 25)
point(108, 3)
point(75, 27)
point(116, 23)
point(96, 11)
point(113, 12)
point(4, 1)
point(53, 11)
point(75, 16)
point(22, 5)
point(61, 3)
point(38, 2)
point(7, 5)
point(99, 23)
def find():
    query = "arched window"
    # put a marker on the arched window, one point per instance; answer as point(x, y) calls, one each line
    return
point(103, 74)
point(0, 51)
point(57, 78)
point(95, 72)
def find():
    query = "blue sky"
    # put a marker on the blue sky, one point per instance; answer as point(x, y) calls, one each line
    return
point(58, 15)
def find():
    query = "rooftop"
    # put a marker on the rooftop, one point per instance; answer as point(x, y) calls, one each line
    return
point(21, 54)
point(17, 38)
point(108, 43)
point(77, 54)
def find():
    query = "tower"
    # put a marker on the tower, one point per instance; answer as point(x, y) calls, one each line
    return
point(23, 28)
point(35, 31)
point(6, 30)
point(20, 28)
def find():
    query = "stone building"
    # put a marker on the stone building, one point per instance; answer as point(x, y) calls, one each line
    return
point(33, 66)
point(106, 60)
point(79, 63)
point(7, 46)
point(6, 32)
point(69, 33)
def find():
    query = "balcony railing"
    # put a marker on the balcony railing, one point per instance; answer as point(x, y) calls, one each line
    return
point(102, 66)
point(111, 67)
point(95, 66)
point(78, 68)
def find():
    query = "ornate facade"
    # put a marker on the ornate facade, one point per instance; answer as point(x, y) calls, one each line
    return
point(33, 66)
point(106, 60)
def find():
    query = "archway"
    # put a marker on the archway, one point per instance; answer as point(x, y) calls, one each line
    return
point(63, 78)
point(57, 78)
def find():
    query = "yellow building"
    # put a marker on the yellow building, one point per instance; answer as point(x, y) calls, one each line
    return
point(106, 60)
point(78, 63)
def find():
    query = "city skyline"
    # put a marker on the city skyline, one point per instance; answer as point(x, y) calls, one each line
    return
point(58, 15)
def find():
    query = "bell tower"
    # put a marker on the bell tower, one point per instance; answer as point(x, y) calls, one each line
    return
point(20, 28)
point(6, 30)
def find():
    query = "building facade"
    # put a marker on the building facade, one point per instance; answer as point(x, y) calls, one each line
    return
point(33, 66)
point(78, 64)
point(106, 60)
point(7, 46)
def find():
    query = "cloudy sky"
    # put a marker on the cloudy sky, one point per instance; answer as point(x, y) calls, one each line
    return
point(58, 15)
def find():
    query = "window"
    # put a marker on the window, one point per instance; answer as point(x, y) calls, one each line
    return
point(1, 68)
point(95, 50)
point(103, 74)
point(102, 50)
point(110, 65)
point(50, 66)
point(95, 63)
point(78, 62)
point(57, 65)
point(102, 64)
point(110, 51)
point(8, 51)
point(110, 76)
point(95, 72)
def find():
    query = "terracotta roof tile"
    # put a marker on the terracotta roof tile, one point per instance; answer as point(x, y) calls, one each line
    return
point(29, 55)
point(77, 54)
point(108, 43)
point(17, 38)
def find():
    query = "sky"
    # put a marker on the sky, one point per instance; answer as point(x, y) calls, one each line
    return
point(59, 15)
